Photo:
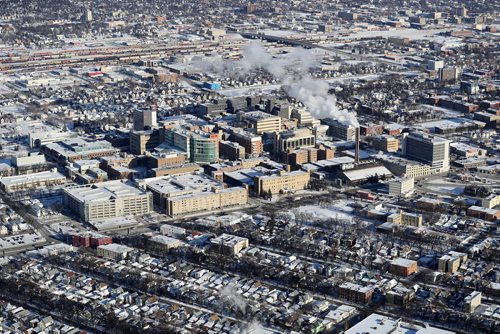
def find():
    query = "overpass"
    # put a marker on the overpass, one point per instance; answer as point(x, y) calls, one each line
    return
point(309, 45)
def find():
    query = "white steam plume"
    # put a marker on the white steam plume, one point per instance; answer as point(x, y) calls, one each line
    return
point(292, 70)
point(255, 328)
point(230, 293)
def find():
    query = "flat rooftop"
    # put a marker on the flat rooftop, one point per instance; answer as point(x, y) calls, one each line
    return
point(35, 177)
point(380, 324)
point(182, 184)
point(104, 191)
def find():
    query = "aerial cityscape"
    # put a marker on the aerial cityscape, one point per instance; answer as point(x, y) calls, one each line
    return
point(250, 167)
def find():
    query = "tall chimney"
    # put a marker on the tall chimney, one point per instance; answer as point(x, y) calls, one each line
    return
point(356, 153)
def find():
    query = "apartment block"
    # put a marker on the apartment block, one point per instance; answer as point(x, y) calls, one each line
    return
point(229, 244)
point(449, 263)
point(356, 293)
point(403, 267)
point(114, 252)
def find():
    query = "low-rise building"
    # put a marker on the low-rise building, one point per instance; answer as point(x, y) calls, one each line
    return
point(403, 267)
point(115, 252)
point(163, 243)
point(33, 181)
point(172, 231)
point(356, 293)
point(401, 187)
point(483, 213)
point(229, 244)
point(405, 218)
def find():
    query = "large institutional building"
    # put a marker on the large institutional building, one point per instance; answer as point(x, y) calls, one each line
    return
point(190, 193)
point(201, 147)
point(431, 150)
point(107, 200)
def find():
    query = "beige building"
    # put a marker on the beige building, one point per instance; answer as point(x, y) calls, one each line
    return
point(207, 201)
point(114, 251)
point(386, 143)
point(291, 140)
point(405, 218)
point(282, 182)
point(472, 301)
point(143, 141)
point(404, 167)
point(189, 193)
point(33, 181)
point(229, 244)
point(401, 186)
point(261, 122)
point(450, 262)
point(107, 200)
point(491, 201)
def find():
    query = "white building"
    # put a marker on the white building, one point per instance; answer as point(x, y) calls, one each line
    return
point(402, 186)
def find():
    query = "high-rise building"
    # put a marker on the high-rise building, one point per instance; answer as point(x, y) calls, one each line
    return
point(144, 118)
point(429, 149)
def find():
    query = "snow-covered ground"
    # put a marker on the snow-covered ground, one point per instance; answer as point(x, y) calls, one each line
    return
point(337, 210)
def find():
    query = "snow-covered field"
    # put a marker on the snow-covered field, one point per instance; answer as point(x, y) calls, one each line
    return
point(335, 211)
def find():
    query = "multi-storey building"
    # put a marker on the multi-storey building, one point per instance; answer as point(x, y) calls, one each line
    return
point(77, 149)
point(260, 121)
point(282, 182)
point(356, 293)
point(340, 130)
point(403, 267)
point(231, 150)
point(107, 200)
point(143, 141)
point(229, 244)
point(402, 186)
point(33, 181)
point(250, 141)
point(386, 143)
point(431, 150)
point(144, 119)
point(449, 263)
point(201, 147)
point(291, 140)
point(189, 193)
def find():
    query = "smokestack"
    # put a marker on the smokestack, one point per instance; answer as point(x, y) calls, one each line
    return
point(356, 153)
